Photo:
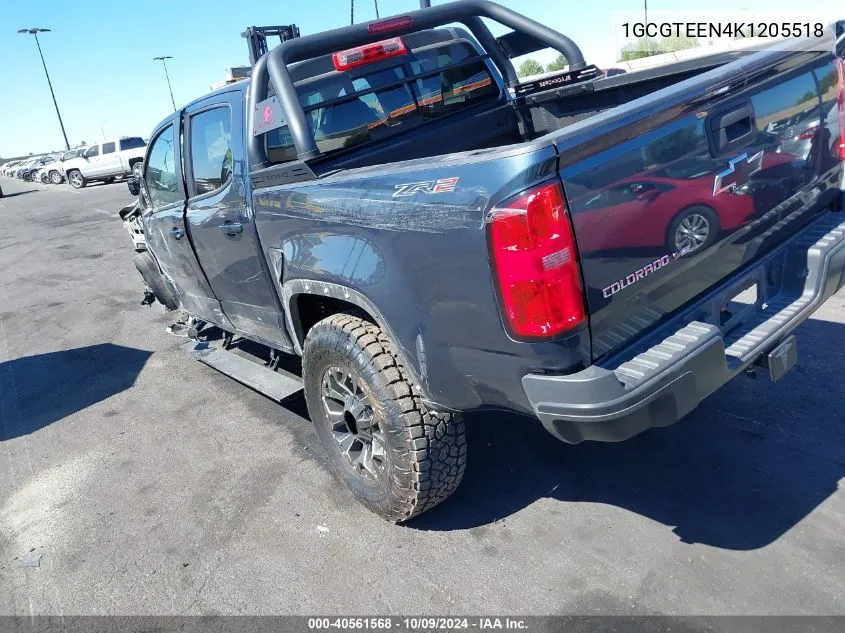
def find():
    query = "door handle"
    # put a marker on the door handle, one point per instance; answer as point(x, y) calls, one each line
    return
point(177, 232)
point(231, 228)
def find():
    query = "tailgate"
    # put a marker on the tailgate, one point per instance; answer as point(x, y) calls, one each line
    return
point(698, 181)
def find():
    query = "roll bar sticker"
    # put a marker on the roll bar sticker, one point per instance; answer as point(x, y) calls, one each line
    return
point(268, 116)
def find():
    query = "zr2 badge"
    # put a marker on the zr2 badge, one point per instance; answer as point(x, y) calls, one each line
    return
point(443, 185)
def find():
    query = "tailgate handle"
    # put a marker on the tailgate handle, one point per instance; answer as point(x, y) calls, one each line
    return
point(731, 126)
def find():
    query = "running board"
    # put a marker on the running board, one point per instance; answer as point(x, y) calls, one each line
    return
point(276, 385)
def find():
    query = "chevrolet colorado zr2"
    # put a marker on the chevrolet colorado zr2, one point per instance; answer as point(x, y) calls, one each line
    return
point(431, 236)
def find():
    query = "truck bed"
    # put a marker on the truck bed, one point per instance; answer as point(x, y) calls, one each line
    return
point(523, 119)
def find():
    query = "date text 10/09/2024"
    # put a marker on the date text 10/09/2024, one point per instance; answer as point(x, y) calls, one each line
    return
point(417, 623)
point(706, 30)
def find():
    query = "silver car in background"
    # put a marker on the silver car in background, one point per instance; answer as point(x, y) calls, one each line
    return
point(798, 133)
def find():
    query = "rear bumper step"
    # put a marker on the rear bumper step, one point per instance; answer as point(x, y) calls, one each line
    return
point(669, 374)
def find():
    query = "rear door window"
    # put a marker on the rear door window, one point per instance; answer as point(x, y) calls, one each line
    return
point(108, 148)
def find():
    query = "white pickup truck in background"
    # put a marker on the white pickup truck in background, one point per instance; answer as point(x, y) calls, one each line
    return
point(106, 161)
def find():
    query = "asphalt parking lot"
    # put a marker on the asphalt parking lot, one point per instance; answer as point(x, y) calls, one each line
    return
point(138, 481)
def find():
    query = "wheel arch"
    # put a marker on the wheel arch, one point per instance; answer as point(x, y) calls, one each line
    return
point(307, 301)
point(69, 176)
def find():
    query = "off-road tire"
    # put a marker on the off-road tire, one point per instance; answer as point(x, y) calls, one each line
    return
point(425, 450)
point(76, 179)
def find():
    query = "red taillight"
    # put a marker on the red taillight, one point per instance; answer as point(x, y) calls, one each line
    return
point(536, 264)
point(369, 53)
point(389, 25)
point(809, 133)
point(840, 68)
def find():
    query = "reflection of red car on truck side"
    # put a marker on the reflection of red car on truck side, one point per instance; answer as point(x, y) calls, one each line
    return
point(672, 205)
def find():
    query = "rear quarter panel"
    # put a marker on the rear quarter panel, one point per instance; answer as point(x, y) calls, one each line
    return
point(420, 258)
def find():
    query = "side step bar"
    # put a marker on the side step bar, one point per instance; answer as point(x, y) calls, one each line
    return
point(276, 385)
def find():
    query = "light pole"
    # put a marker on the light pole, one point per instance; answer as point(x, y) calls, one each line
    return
point(163, 63)
point(34, 32)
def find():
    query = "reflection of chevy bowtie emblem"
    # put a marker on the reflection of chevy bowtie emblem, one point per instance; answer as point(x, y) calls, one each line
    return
point(738, 172)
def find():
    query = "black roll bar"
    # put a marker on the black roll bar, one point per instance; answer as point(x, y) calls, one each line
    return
point(274, 65)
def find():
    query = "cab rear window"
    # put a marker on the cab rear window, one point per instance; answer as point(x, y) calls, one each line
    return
point(346, 109)
point(133, 142)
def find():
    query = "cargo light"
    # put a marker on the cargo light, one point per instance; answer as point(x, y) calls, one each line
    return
point(369, 53)
point(535, 263)
point(389, 25)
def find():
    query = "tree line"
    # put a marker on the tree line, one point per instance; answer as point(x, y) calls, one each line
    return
point(533, 67)
point(642, 47)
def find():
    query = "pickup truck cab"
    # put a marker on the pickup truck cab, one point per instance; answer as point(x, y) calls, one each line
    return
point(106, 161)
point(388, 202)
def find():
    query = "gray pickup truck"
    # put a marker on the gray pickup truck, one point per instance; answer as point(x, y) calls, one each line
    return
point(432, 236)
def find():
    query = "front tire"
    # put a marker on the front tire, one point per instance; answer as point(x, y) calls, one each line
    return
point(55, 178)
point(76, 179)
point(395, 455)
